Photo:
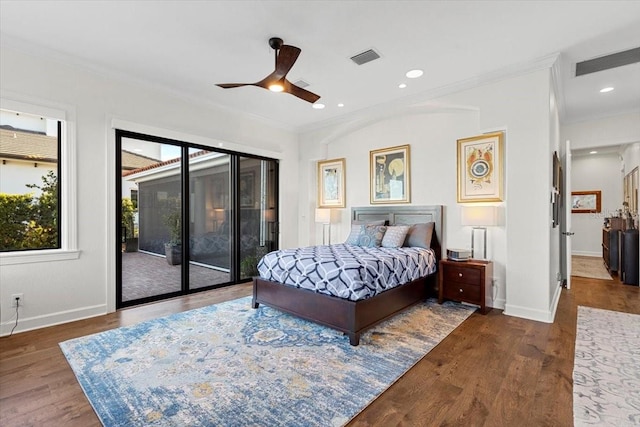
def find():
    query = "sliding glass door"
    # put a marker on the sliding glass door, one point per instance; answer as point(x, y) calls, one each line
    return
point(190, 218)
point(258, 213)
point(151, 217)
point(210, 237)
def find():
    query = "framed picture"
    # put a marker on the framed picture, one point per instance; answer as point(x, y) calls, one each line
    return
point(480, 170)
point(247, 189)
point(331, 183)
point(585, 201)
point(389, 168)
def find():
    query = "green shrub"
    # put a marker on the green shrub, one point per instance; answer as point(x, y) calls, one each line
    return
point(15, 212)
point(29, 222)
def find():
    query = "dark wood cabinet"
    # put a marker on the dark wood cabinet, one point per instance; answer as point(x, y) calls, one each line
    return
point(465, 281)
point(629, 257)
point(610, 249)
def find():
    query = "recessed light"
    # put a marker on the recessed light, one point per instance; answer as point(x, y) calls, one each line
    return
point(341, 105)
point(137, 150)
point(318, 106)
point(413, 74)
point(606, 89)
point(593, 152)
point(402, 85)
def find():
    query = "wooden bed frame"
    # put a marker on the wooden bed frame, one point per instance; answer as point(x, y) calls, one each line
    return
point(353, 317)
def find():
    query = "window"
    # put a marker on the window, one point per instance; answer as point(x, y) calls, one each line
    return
point(37, 220)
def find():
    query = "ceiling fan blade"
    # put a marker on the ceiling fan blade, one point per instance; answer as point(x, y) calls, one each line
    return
point(287, 56)
point(300, 93)
point(230, 85)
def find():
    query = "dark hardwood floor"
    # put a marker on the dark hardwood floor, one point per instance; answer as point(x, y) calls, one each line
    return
point(494, 370)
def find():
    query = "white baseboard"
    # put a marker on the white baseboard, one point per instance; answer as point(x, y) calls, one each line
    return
point(498, 303)
point(587, 253)
point(556, 300)
point(545, 316)
point(37, 322)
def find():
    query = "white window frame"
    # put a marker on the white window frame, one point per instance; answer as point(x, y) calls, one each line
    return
point(67, 196)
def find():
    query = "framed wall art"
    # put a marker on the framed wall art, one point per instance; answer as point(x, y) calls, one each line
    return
point(390, 175)
point(586, 201)
point(331, 186)
point(480, 170)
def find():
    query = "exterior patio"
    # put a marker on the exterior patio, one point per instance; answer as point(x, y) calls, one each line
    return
point(145, 275)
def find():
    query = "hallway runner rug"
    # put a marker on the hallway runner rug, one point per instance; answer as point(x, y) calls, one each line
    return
point(588, 266)
point(231, 365)
point(606, 373)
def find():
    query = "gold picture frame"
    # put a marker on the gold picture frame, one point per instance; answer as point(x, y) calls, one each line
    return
point(331, 183)
point(390, 175)
point(586, 201)
point(480, 168)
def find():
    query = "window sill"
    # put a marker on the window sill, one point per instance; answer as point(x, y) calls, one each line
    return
point(27, 257)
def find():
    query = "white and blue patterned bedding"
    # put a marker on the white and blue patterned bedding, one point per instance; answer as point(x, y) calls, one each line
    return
point(347, 271)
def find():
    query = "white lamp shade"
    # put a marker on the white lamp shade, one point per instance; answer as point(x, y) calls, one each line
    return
point(323, 216)
point(479, 215)
point(270, 215)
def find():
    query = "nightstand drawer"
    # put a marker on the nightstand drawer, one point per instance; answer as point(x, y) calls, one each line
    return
point(462, 274)
point(462, 292)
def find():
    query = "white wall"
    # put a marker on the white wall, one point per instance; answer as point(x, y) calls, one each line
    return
point(631, 157)
point(595, 172)
point(16, 174)
point(616, 130)
point(60, 291)
point(519, 106)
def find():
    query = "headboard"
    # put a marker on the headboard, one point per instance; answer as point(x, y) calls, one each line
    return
point(406, 215)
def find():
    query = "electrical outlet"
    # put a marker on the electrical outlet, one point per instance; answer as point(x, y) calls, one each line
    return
point(15, 298)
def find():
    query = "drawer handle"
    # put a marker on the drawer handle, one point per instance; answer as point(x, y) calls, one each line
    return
point(459, 274)
point(461, 290)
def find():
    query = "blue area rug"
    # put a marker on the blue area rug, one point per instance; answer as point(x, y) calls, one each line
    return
point(231, 365)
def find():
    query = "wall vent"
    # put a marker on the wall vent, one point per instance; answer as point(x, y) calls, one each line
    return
point(301, 83)
point(366, 56)
point(607, 62)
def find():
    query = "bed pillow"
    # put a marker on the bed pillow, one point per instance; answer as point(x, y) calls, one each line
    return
point(371, 235)
point(419, 235)
point(352, 239)
point(394, 236)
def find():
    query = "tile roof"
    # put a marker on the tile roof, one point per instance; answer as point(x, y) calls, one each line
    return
point(15, 144)
point(136, 161)
point(32, 146)
point(167, 162)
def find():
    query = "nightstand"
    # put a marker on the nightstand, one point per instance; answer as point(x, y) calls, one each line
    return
point(465, 281)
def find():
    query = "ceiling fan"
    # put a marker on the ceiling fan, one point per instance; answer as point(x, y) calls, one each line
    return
point(286, 56)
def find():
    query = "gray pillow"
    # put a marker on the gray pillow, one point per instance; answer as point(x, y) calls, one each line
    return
point(419, 235)
point(395, 235)
point(352, 239)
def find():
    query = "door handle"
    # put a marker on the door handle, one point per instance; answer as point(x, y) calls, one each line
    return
point(568, 233)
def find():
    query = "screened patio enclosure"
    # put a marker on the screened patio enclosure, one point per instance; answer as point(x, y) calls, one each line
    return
point(230, 210)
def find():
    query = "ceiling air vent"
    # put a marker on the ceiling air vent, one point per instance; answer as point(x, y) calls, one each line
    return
point(301, 83)
point(602, 63)
point(366, 56)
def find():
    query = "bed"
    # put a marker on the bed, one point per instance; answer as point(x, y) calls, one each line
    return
point(352, 317)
